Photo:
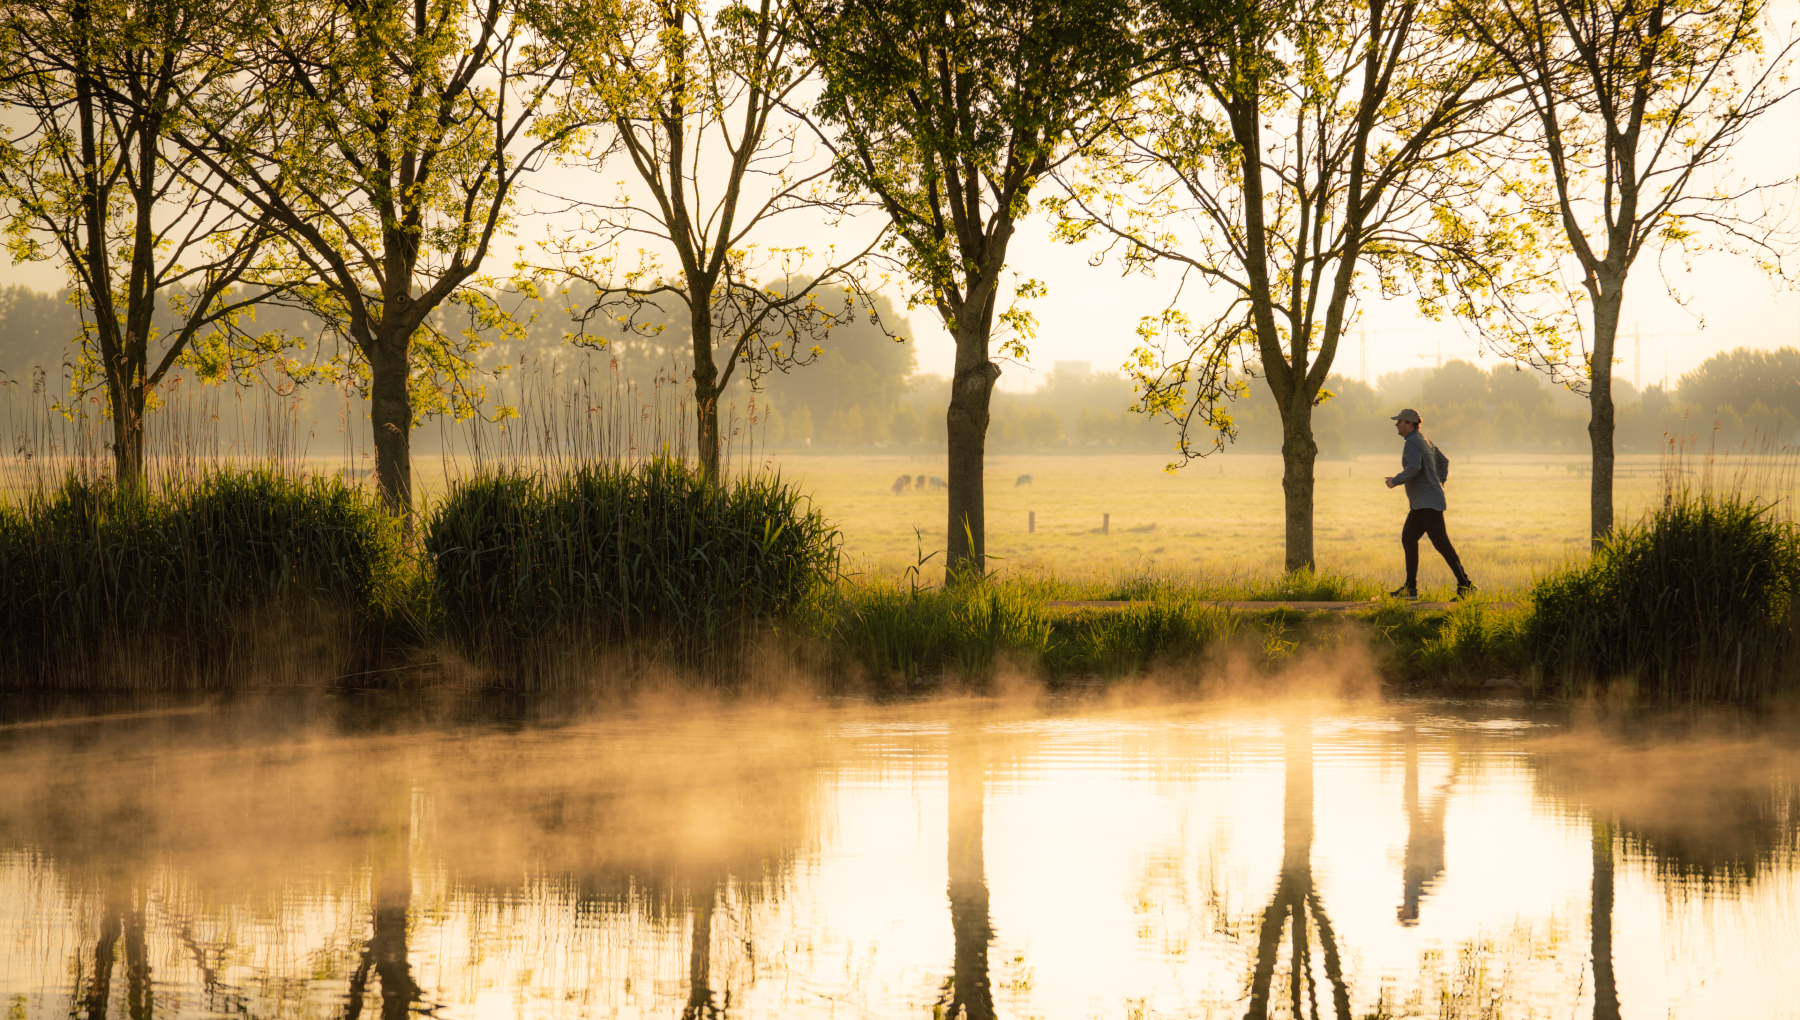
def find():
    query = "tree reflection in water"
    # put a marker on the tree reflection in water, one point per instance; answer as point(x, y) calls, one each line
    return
point(1296, 910)
point(391, 901)
point(1606, 986)
point(700, 1004)
point(971, 992)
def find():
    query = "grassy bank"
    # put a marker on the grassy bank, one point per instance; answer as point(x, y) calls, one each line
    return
point(618, 577)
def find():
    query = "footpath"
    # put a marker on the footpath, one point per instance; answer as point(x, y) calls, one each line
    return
point(1329, 607)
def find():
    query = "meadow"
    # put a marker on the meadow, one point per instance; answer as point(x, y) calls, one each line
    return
point(1513, 518)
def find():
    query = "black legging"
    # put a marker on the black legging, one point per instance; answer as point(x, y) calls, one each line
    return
point(1431, 523)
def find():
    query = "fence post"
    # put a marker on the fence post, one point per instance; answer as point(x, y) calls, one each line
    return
point(1031, 522)
point(1106, 524)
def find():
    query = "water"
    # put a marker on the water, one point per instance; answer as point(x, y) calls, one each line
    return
point(353, 857)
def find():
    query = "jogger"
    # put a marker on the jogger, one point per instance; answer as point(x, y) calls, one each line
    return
point(1422, 470)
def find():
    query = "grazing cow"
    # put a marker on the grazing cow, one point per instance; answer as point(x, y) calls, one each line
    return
point(902, 483)
point(1022, 480)
point(921, 482)
point(939, 483)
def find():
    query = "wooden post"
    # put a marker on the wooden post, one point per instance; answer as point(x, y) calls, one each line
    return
point(1106, 524)
point(1031, 522)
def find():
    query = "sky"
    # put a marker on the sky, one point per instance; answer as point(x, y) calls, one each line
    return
point(1090, 313)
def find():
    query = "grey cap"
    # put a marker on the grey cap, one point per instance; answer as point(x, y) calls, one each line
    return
point(1406, 414)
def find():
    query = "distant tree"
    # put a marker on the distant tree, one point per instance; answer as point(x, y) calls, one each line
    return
point(36, 329)
point(950, 113)
point(704, 111)
point(1457, 382)
point(1296, 156)
point(1637, 104)
point(1742, 377)
point(858, 365)
point(906, 429)
point(96, 183)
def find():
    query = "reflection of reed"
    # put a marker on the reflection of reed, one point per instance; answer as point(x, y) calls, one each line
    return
point(1296, 908)
point(971, 993)
point(1712, 816)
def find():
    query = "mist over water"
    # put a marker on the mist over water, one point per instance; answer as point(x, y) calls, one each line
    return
point(452, 855)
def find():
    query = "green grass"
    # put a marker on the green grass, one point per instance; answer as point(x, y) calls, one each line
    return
point(892, 636)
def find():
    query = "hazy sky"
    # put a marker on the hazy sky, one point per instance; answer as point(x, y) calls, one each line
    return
point(1090, 313)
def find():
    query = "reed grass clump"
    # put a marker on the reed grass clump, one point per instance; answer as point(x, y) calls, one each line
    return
point(611, 553)
point(187, 581)
point(1695, 602)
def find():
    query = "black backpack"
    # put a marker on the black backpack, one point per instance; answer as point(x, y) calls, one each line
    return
point(1443, 462)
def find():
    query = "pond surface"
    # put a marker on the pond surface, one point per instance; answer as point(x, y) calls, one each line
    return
point(359, 857)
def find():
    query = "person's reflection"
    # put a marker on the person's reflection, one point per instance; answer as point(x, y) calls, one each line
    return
point(700, 1005)
point(1295, 908)
point(122, 918)
point(971, 995)
point(1424, 835)
point(100, 990)
point(1606, 987)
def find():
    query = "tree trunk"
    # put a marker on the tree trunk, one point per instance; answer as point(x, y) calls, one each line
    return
point(1601, 420)
point(128, 431)
point(1298, 453)
point(966, 425)
point(390, 413)
point(706, 389)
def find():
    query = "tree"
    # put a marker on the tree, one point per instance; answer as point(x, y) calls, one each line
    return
point(96, 183)
point(949, 113)
point(1636, 102)
point(1366, 183)
point(706, 117)
point(389, 139)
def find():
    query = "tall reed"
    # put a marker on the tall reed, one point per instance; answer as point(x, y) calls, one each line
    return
point(608, 553)
point(188, 583)
point(1695, 602)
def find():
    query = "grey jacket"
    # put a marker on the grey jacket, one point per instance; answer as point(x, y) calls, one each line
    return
point(1419, 473)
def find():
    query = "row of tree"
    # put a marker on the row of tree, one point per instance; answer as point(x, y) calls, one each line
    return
point(358, 162)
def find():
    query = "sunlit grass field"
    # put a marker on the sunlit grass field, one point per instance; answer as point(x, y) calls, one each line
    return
point(1512, 517)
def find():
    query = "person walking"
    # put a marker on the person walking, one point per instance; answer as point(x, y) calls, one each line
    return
point(1422, 471)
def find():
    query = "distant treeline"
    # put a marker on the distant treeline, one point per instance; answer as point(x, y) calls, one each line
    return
point(863, 390)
